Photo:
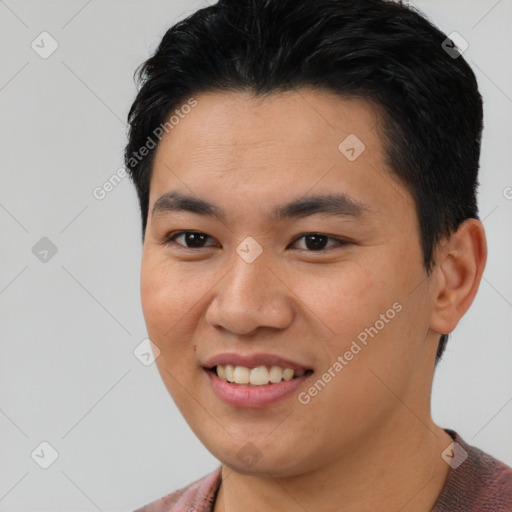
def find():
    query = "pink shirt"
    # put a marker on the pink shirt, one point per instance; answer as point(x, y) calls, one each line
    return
point(479, 484)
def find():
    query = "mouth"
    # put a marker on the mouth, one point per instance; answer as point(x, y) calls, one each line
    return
point(256, 387)
point(255, 380)
point(257, 376)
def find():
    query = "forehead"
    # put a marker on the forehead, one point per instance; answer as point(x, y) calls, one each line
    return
point(307, 121)
point(284, 144)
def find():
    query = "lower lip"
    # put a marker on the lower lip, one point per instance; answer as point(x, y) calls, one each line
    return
point(240, 395)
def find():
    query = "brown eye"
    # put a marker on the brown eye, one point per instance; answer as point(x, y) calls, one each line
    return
point(191, 239)
point(318, 242)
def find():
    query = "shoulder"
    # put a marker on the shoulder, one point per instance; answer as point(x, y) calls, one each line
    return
point(199, 496)
point(480, 483)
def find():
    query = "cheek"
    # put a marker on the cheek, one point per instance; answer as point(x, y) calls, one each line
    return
point(364, 311)
point(167, 300)
point(167, 304)
point(347, 299)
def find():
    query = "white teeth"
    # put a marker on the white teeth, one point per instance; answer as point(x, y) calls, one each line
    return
point(258, 376)
point(288, 374)
point(221, 372)
point(276, 374)
point(241, 375)
point(230, 373)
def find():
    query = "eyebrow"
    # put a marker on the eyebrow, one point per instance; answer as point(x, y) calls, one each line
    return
point(326, 204)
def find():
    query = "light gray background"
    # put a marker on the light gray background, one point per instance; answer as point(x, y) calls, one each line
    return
point(69, 326)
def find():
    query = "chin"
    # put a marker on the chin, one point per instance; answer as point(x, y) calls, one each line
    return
point(252, 457)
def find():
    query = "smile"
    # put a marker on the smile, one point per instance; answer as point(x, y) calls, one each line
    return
point(256, 387)
point(258, 376)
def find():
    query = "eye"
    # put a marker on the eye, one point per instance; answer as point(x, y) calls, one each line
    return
point(192, 239)
point(312, 242)
point(317, 241)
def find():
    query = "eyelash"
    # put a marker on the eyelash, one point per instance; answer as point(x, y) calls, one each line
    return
point(172, 237)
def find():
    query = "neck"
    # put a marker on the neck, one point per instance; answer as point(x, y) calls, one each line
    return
point(390, 471)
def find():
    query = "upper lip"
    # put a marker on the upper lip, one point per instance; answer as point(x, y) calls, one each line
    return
point(252, 361)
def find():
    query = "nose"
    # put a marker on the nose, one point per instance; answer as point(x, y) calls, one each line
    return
point(249, 297)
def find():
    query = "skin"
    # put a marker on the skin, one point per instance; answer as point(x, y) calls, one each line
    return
point(367, 440)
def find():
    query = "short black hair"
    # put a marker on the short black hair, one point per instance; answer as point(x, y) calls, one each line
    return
point(380, 50)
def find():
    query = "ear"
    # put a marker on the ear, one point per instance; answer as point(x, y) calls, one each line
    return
point(460, 262)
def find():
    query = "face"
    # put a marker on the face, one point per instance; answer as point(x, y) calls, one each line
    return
point(296, 249)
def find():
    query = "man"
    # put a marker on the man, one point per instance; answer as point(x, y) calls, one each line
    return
point(307, 177)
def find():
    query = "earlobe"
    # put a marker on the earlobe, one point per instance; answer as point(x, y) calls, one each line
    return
point(459, 267)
